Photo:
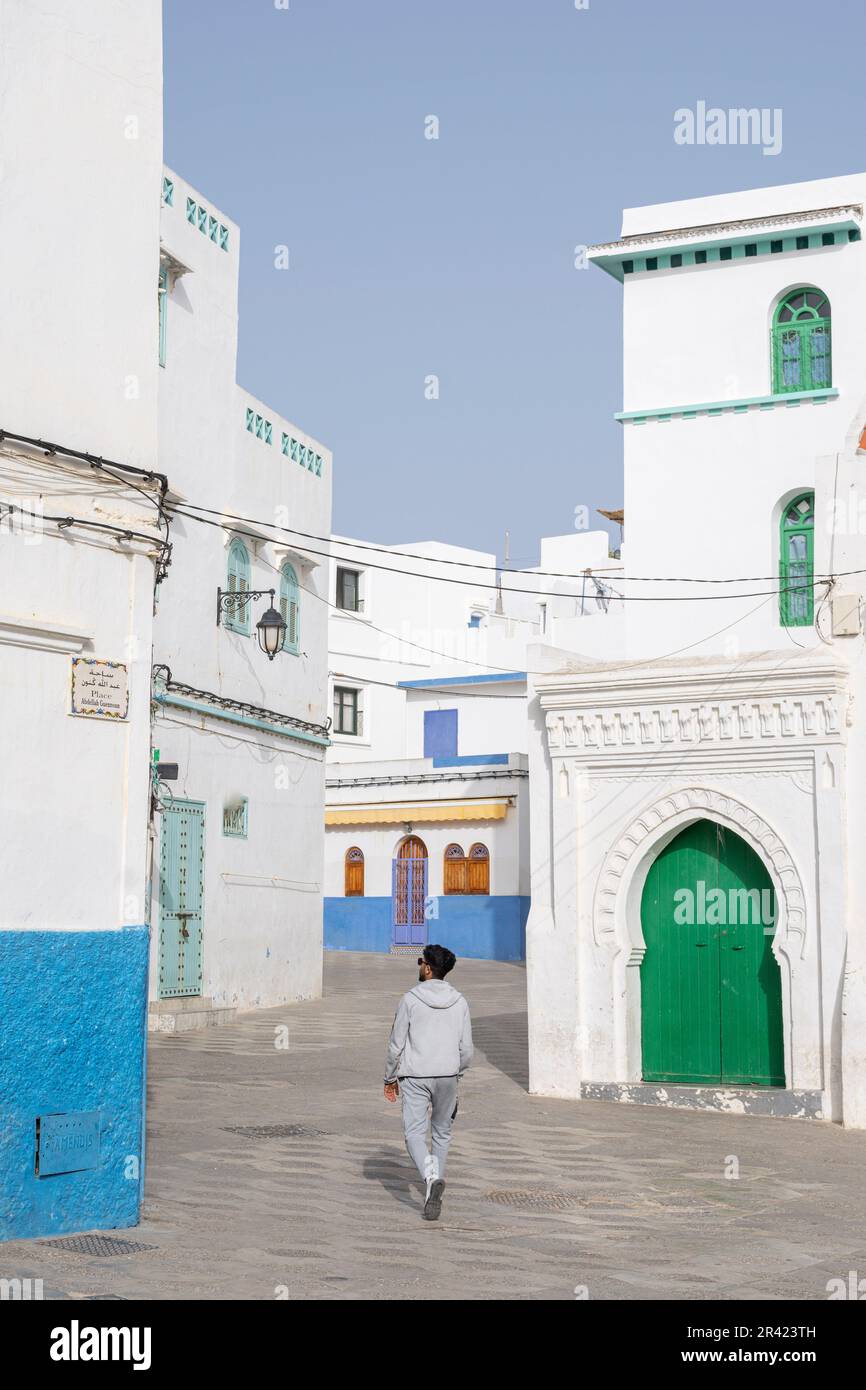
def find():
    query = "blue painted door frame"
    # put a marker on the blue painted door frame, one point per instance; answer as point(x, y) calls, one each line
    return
point(181, 899)
point(408, 900)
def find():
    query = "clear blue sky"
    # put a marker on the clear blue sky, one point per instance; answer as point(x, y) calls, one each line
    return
point(454, 257)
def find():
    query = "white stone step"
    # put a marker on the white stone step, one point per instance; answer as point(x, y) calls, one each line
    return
point(185, 1015)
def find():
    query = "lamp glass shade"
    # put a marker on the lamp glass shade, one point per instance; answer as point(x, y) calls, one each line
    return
point(271, 629)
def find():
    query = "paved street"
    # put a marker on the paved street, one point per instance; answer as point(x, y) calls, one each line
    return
point(629, 1202)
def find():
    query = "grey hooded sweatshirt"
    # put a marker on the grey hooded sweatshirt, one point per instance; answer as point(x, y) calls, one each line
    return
point(432, 1033)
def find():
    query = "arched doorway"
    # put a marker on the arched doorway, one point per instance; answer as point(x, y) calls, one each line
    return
point(409, 893)
point(711, 994)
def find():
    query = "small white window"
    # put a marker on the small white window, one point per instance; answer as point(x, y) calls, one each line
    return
point(348, 715)
point(235, 820)
point(349, 590)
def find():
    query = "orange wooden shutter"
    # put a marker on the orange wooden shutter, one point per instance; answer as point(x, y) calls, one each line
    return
point(454, 876)
point(354, 873)
point(479, 869)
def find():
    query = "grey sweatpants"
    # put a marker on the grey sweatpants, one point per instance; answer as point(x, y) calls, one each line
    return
point(420, 1093)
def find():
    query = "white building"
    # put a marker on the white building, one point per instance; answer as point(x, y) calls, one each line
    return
point(724, 765)
point(79, 556)
point(427, 811)
point(238, 869)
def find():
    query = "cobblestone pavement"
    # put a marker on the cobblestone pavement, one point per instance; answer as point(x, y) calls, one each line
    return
point(544, 1197)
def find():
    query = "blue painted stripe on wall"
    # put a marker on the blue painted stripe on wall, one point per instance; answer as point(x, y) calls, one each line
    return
point(73, 1028)
point(357, 924)
point(472, 760)
point(431, 684)
point(474, 927)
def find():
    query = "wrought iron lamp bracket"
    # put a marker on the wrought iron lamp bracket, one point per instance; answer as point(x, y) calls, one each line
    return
point(229, 601)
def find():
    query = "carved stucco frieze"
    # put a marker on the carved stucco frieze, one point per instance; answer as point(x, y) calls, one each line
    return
point(691, 724)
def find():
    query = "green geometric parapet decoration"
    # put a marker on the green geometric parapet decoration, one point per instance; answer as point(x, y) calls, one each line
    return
point(728, 242)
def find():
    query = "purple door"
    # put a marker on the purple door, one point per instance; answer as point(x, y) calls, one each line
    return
point(409, 893)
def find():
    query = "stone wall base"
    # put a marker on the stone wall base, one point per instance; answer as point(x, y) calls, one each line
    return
point(728, 1100)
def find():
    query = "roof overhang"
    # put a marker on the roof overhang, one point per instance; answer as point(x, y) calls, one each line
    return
point(175, 267)
point(767, 235)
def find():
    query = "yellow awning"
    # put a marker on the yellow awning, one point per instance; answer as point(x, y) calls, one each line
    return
point(429, 811)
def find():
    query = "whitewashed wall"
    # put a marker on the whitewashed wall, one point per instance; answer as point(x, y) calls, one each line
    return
point(262, 933)
point(706, 492)
point(78, 367)
point(380, 843)
point(417, 628)
point(80, 167)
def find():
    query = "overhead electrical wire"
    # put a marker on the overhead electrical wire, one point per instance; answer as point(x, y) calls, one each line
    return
point(165, 509)
point(466, 660)
point(513, 589)
point(125, 533)
point(164, 512)
point(469, 564)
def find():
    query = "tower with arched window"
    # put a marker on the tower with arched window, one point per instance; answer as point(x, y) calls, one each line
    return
point(699, 798)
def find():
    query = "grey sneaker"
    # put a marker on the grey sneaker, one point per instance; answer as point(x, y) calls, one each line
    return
point(433, 1204)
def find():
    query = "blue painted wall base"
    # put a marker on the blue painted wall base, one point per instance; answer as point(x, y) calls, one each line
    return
point(73, 1016)
point(473, 927)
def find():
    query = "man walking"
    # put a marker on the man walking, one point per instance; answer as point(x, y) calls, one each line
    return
point(429, 1049)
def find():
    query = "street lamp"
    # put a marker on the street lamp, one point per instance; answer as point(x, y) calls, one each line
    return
point(271, 629)
point(271, 626)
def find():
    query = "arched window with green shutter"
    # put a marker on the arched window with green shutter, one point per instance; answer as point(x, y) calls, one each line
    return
point(797, 563)
point(801, 342)
point(290, 607)
point(238, 582)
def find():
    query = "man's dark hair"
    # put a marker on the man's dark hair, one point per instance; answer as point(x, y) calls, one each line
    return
point(440, 960)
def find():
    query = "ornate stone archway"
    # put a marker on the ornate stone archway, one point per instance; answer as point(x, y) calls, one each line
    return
point(658, 822)
point(616, 905)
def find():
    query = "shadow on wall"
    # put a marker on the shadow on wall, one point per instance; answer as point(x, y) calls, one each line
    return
point(504, 1041)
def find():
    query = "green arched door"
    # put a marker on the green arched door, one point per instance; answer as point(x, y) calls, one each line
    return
point(711, 994)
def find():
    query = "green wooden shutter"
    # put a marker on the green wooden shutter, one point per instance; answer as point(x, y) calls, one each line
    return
point(238, 582)
point(290, 608)
point(797, 562)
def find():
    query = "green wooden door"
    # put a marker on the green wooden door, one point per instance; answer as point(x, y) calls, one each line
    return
point(181, 891)
point(711, 996)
